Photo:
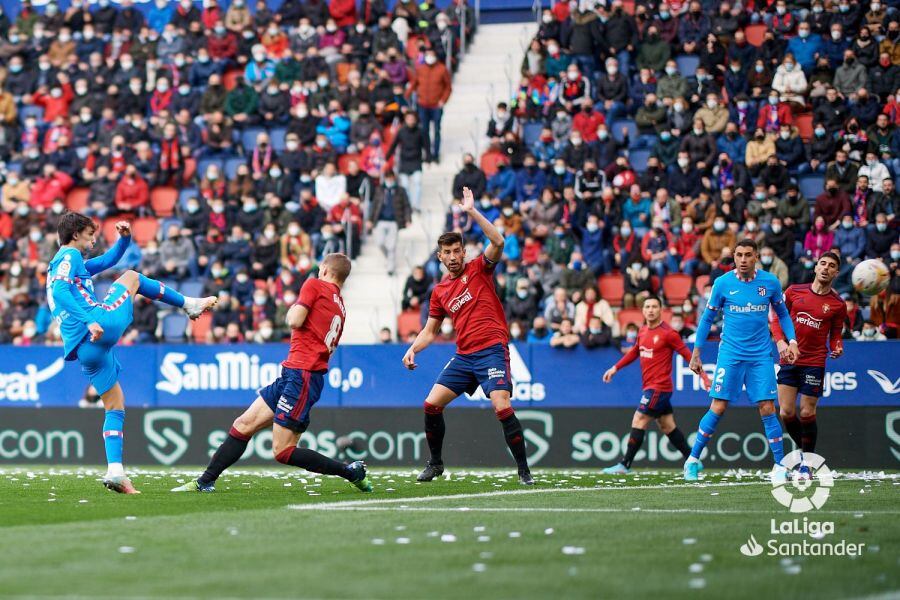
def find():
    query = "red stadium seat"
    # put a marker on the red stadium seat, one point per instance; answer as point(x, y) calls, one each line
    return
point(804, 123)
point(755, 34)
point(408, 323)
point(667, 315)
point(77, 199)
point(612, 288)
point(163, 200)
point(654, 284)
point(144, 230)
point(344, 162)
point(701, 282)
point(201, 326)
point(229, 80)
point(190, 169)
point(676, 287)
point(630, 315)
point(109, 229)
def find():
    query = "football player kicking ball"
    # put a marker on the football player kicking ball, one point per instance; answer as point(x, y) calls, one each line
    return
point(656, 342)
point(90, 329)
point(468, 296)
point(818, 315)
point(316, 322)
point(744, 296)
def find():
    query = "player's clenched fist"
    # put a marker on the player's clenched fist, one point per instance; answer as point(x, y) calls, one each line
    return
point(696, 364)
point(96, 331)
point(124, 228)
point(409, 360)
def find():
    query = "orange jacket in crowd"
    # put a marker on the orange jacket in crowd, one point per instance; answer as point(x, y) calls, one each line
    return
point(432, 84)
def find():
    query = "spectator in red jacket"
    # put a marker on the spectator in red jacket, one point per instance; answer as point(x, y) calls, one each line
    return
point(222, 44)
point(132, 192)
point(347, 214)
point(55, 102)
point(51, 185)
point(684, 250)
point(343, 12)
point(587, 120)
point(773, 116)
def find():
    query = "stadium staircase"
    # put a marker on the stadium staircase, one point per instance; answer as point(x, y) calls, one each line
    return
point(488, 74)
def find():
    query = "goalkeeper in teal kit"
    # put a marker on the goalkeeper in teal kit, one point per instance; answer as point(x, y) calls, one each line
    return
point(90, 328)
point(743, 296)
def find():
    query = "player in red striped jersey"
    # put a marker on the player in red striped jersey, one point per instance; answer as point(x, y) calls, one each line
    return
point(317, 322)
point(655, 344)
point(818, 313)
point(468, 296)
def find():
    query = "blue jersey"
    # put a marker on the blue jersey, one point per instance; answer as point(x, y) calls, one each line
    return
point(70, 291)
point(744, 306)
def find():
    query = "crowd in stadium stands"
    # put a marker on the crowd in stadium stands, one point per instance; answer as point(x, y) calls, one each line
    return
point(645, 139)
point(242, 144)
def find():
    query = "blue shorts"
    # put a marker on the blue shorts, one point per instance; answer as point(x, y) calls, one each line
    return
point(488, 368)
point(731, 375)
point(292, 395)
point(807, 380)
point(98, 359)
point(655, 404)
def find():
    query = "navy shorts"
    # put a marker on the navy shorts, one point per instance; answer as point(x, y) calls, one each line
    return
point(488, 368)
point(655, 404)
point(292, 395)
point(807, 380)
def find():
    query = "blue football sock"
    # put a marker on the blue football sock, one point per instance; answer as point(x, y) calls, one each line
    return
point(774, 434)
point(113, 435)
point(156, 290)
point(705, 432)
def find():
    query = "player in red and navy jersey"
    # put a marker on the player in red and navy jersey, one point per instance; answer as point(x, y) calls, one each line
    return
point(468, 296)
point(656, 342)
point(317, 322)
point(818, 314)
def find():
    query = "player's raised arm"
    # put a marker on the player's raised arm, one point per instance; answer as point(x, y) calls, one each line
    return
point(108, 259)
point(422, 341)
point(495, 250)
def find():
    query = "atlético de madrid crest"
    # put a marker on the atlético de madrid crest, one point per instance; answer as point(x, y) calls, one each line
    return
point(761, 290)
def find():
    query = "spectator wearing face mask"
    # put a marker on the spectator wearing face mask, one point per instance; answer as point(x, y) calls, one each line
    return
point(832, 204)
point(716, 238)
point(774, 265)
point(850, 76)
point(880, 238)
point(870, 333)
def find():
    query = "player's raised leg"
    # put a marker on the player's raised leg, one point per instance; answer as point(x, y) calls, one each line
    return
point(257, 417)
point(137, 283)
point(439, 397)
point(639, 424)
point(512, 432)
point(284, 447)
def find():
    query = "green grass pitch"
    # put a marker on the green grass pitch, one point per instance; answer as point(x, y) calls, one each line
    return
point(476, 534)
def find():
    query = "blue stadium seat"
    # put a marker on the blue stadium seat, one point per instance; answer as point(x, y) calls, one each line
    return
point(638, 159)
point(204, 163)
point(191, 288)
point(14, 165)
point(231, 166)
point(277, 135)
point(174, 327)
point(248, 137)
point(687, 64)
point(811, 185)
point(631, 126)
point(186, 194)
point(30, 110)
point(166, 223)
point(531, 132)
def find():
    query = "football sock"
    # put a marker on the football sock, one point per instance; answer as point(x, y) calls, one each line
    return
point(774, 434)
point(515, 439)
point(312, 461)
point(113, 440)
point(704, 433)
point(676, 438)
point(810, 433)
point(156, 290)
point(794, 429)
point(635, 441)
point(226, 455)
point(434, 431)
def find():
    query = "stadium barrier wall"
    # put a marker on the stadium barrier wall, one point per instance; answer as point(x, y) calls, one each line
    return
point(183, 375)
point(851, 437)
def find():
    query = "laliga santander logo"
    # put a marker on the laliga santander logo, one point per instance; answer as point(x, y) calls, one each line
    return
point(798, 501)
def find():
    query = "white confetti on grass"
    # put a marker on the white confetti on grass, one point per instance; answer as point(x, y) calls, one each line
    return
point(448, 538)
point(573, 550)
point(378, 542)
point(696, 568)
point(706, 558)
point(689, 541)
point(478, 528)
point(402, 540)
point(484, 538)
point(792, 570)
point(515, 534)
point(548, 531)
point(697, 583)
point(82, 501)
point(479, 567)
point(126, 550)
point(131, 518)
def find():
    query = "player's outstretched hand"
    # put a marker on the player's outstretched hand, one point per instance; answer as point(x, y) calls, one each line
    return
point(409, 360)
point(468, 200)
point(124, 228)
point(696, 364)
point(96, 331)
point(838, 350)
point(607, 377)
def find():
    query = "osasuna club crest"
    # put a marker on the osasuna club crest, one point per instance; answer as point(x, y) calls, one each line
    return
point(465, 279)
point(761, 290)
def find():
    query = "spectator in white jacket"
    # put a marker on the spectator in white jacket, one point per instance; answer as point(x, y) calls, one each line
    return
point(790, 82)
point(875, 171)
point(330, 187)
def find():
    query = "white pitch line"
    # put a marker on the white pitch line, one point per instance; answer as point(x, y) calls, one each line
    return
point(325, 505)
point(465, 509)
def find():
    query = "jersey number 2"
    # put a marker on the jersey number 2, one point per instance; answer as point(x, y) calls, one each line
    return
point(331, 338)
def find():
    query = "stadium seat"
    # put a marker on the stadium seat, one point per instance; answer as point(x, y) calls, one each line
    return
point(654, 284)
point(630, 315)
point(232, 164)
point(804, 123)
point(701, 282)
point(408, 323)
point(229, 79)
point(667, 315)
point(163, 200)
point(192, 287)
point(248, 138)
point(344, 162)
point(632, 128)
point(30, 110)
point(638, 159)
point(531, 132)
point(612, 288)
point(687, 64)
point(186, 194)
point(811, 185)
point(109, 229)
point(204, 163)
point(755, 34)
point(14, 165)
point(277, 135)
point(77, 199)
point(144, 229)
point(173, 327)
point(166, 223)
point(676, 287)
point(200, 327)
point(190, 169)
